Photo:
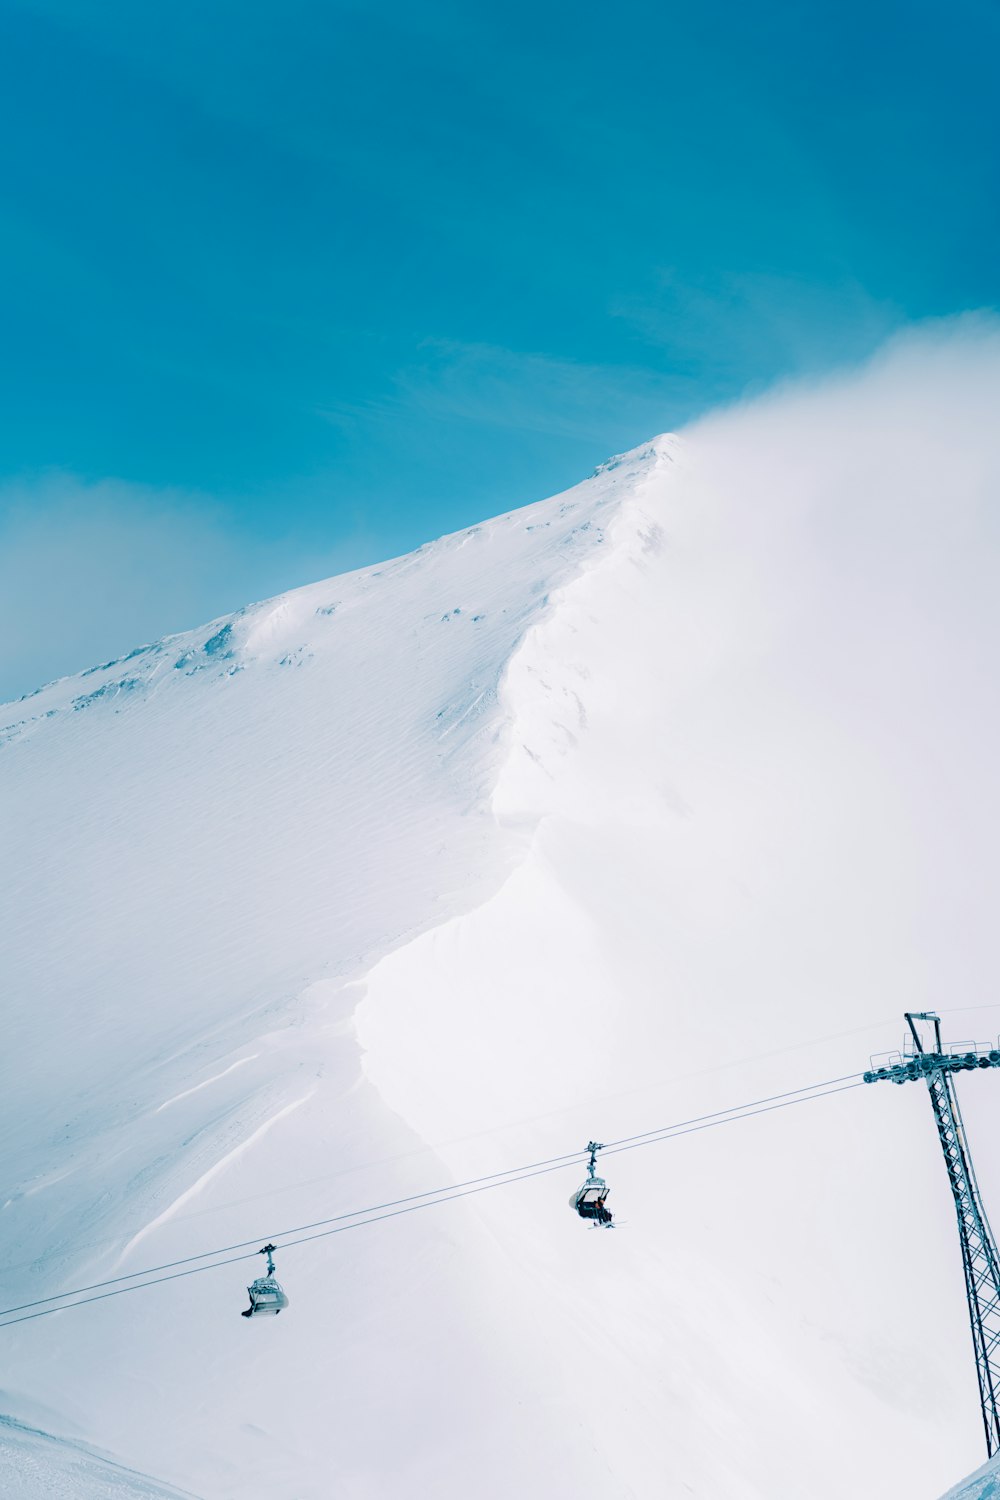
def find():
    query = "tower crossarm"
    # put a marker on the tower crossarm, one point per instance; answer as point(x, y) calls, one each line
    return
point(928, 1064)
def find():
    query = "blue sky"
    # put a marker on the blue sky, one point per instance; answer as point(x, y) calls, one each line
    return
point(287, 289)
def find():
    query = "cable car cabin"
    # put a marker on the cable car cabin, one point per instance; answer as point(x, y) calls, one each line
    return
point(267, 1295)
point(589, 1201)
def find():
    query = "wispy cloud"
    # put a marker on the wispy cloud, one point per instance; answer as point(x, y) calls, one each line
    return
point(735, 322)
point(491, 386)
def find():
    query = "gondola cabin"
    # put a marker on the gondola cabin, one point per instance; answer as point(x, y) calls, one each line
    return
point(267, 1295)
point(589, 1200)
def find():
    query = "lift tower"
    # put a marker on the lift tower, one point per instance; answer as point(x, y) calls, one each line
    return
point(980, 1260)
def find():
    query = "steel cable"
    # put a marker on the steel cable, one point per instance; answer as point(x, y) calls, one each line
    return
point(394, 1208)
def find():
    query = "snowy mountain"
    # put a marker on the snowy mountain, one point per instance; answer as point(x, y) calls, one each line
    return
point(665, 794)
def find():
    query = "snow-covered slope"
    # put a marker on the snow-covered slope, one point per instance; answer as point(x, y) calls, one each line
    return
point(208, 843)
point(667, 793)
point(984, 1484)
point(35, 1466)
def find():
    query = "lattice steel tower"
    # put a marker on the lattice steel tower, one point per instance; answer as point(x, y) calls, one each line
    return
point(979, 1252)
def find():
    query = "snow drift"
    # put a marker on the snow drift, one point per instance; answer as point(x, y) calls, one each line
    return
point(669, 792)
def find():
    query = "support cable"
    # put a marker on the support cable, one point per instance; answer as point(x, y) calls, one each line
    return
point(394, 1208)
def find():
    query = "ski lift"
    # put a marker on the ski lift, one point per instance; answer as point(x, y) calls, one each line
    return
point(267, 1295)
point(589, 1200)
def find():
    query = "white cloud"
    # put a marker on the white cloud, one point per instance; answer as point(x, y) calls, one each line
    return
point(88, 570)
point(921, 413)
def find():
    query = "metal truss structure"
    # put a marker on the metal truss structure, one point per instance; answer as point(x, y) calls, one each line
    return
point(980, 1261)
